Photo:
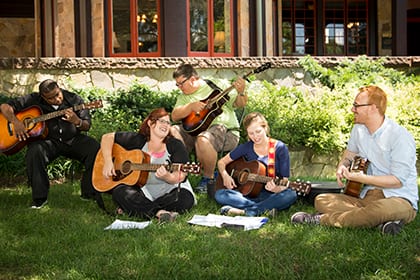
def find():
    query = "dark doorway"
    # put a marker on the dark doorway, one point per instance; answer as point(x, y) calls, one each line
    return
point(413, 27)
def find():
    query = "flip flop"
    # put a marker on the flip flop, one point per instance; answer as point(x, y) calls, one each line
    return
point(225, 210)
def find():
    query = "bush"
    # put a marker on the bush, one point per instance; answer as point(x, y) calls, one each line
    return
point(301, 119)
point(315, 117)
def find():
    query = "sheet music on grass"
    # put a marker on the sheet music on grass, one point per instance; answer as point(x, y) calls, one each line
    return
point(237, 222)
point(120, 224)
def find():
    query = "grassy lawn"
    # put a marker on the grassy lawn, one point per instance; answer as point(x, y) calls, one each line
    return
point(66, 240)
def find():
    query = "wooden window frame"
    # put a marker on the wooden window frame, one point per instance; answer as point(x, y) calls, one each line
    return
point(345, 35)
point(210, 28)
point(134, 32)
point(293, 16)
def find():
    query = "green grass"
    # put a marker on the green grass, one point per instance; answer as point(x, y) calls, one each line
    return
point(66, 240)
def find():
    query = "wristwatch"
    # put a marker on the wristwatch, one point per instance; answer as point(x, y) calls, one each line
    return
point(80, 124)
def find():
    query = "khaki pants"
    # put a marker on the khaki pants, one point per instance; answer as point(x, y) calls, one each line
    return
point(342, 210)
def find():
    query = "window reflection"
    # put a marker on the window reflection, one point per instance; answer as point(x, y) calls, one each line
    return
point(221, 28)
point(147, 25)
point(121, 35)
point(198, 25)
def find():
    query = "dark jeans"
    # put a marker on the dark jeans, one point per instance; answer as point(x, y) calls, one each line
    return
point(41, 153)
point(133, 201)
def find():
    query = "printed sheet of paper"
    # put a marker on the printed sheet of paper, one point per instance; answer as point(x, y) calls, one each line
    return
point(239, 222)
point(120, 224)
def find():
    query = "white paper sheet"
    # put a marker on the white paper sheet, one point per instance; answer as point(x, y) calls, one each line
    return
point(120, 224)
point(239, 222)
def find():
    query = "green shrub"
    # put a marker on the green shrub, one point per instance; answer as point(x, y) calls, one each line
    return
point(301, 119)
point(312, 117)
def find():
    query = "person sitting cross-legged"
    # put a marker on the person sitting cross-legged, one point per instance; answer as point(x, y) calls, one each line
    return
point(264, 150)
point(390, 194)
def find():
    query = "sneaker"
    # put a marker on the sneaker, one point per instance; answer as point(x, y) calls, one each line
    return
point(202, 186)
point(39, 203)
point(392, 227)
point(167, 217)
point(305, 218)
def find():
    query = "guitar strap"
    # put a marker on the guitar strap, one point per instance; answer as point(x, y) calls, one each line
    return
point(271, 158)
point(212, 85)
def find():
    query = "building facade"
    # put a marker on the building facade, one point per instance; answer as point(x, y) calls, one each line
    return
point(208, 28)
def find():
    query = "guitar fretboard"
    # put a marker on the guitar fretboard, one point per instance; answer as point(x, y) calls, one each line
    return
point(258, 178)
point(91, 105)
point(154, 167)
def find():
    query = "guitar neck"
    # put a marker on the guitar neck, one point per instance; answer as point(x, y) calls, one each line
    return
point(225, 92)
point(56, 114)
point(151, 167)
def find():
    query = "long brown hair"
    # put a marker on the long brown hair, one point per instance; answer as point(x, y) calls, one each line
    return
point(153, 117)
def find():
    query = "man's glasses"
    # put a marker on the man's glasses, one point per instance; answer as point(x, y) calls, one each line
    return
point(164, 121)
point(355, 105)
point(183, 82)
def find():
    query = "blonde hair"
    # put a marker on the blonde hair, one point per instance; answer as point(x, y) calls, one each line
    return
point(256, 117)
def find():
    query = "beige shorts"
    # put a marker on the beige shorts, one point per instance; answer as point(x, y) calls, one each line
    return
point(219, 136)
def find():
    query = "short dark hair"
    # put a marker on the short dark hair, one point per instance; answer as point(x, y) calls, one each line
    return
point(186, 70)
point(47, 86)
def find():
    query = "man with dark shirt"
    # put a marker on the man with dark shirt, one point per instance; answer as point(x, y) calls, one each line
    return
point(64, 137)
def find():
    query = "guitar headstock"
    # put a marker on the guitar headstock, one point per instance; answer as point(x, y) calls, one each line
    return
point(301, 188)
point(193, 168)
point(93, 104)
point(262, 68)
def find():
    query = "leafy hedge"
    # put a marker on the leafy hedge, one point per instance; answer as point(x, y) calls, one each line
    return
point(316, 116)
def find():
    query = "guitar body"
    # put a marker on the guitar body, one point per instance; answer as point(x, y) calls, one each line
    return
point(197, 122)
point(240, 170)
point(123, 159)
point(358, 164)
point(250, 178)
point(9, 143)
point(34, 122)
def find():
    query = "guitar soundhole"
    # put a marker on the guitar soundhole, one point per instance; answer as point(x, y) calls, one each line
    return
point(243, 176)
point(29, 125)
point(125, 167)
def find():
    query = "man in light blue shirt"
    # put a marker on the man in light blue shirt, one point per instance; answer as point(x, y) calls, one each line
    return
point(389, 197)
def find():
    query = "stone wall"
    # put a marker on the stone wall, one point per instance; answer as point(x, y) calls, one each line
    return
point(19, 76)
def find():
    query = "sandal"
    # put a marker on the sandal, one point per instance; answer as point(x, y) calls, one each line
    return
point(225, 210)
point(166, 216)
point(231, 211)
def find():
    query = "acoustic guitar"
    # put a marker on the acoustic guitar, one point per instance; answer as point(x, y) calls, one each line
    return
point(34, 122)
point(132, 168)
point(250, 178)
point(358, 164)
point(197, 122)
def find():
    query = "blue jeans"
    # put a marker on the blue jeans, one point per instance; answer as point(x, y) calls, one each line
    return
point(256, 206)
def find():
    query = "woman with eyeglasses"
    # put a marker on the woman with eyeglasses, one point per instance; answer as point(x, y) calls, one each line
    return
point(166, 192)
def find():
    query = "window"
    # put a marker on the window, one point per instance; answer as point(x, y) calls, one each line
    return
point(298, 27)
point(210, 28)
point(134, 28)
point(345, 27)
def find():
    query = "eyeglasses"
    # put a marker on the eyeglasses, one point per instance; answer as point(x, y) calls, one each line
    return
point(164, 121)
point(355, 105)
point(182, 83)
